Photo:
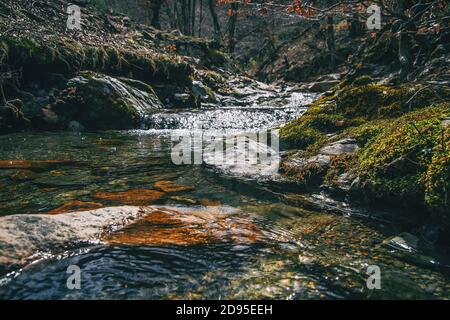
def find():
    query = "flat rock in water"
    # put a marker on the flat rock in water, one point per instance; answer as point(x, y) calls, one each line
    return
point(404, 241)
point(24, 236)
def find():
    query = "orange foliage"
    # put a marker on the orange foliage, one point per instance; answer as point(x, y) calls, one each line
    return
point(172, 48)
point(296, 7)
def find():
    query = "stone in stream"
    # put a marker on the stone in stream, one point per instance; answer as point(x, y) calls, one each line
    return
point(182, 226)
point(312, 169)
point(245, 155)
point(97, 101)
point(170, 186)
point(73, 206)
point(131, 197)
point(24, 236)
point(404, 241)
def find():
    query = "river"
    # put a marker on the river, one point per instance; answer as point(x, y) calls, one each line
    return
point(255, 240)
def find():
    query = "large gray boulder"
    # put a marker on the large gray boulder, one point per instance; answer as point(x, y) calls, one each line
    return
point(22, 236)
point(100, 102)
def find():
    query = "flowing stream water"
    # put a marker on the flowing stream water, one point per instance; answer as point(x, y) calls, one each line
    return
point(256, 239)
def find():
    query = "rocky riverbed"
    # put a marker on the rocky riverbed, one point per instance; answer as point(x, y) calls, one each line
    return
point(361, 177)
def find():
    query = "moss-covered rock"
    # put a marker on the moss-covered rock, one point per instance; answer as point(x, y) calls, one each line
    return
point(404, 148)
point(67, 56)
point(437, 181)
point(355, 104)
point(395, 162)
point(98, 101)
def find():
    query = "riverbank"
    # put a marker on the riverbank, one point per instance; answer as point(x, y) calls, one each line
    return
point(52, 76)
point(377, 144)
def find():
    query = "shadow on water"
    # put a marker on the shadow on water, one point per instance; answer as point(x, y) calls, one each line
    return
point(134, 272)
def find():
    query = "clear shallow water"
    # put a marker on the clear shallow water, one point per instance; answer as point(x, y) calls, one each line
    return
point(294, 253)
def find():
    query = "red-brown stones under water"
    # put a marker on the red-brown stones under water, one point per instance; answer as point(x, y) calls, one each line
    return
point(167, 226)
point(131, 197)
point(170, 186)
point(76, 206)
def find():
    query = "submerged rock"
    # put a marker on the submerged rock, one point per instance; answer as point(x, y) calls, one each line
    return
point(35, 164)
point(404, 241)
point(97, 101)
point(170, 186)
point(131, 197)
point(24, 236)
point(182, 226)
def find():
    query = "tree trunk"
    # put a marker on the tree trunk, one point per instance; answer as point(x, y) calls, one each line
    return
point(234, 6)
point(171, 14)
point(177, 14)
point(217, 32)
point(331, 45)
point(355, 26)
point(194, 4)
point(188, 17)
point(156, 9)
point(200, 19)
point(184, 16)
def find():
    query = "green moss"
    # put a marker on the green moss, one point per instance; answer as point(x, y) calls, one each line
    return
point(404, 155)
point(68, 56)
point(405, 161)
point(365, 132)
point(353, 105)
point(309, 175)
point(437, 180)
point(338, 166)
point(367, 100)
point(215, 58)
point(296, 135)
point(374, 101)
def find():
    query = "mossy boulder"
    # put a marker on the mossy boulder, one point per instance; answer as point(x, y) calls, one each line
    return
point(406, 162)
point(403, 139)
point(356, 104)
point(437, 181)
point(68, 56)
point(100, 102)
